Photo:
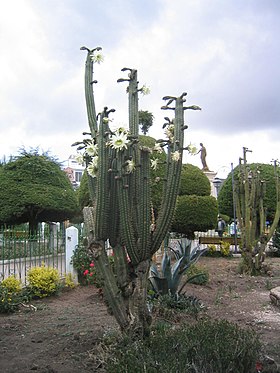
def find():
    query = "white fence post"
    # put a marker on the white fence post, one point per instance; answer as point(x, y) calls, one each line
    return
point(72, 234)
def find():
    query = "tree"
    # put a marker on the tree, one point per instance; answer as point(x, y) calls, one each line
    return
point(145, 120)
point(34, 189)
point(196, 210)
point(120, 183)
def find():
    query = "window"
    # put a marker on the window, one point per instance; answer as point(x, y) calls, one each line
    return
point(78, 176)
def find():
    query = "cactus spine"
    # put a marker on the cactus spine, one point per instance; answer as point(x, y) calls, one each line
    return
point(122, 200)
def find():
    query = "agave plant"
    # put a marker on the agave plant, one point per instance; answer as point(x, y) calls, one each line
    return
point(168, 279)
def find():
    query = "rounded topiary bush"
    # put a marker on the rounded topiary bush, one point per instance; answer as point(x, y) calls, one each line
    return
point(194, 213)
point(194, 182)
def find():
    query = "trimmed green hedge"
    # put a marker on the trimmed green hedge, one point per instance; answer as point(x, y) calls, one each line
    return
point(195, 213)
point(194, 182)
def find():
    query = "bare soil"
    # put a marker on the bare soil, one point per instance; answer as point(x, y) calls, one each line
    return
point(62, 335)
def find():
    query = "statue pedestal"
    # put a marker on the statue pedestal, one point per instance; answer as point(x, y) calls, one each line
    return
point(211, 176)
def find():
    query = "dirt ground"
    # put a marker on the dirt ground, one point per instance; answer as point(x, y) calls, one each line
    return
point(61, 335)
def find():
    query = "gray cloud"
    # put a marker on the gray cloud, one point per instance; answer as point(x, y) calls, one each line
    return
point(223, 53)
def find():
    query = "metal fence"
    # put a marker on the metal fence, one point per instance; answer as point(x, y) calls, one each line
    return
point(19, 251)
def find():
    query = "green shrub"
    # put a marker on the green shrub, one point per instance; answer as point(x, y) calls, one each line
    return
point(11, 294)
point(221, 250)
point(197, 275)
point(225, 249)
point(194, 181)
point(172, 308)
point(9, 302)
point(43, 281)
point(205, 347)
point(194, 213)
point(12, 284)
point(87, 274)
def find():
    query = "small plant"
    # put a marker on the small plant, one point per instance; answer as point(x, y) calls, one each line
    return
point(212, 250)
point(69, 281)
point(43, 281)
point(173, 307)
point(87, 273)
point(225, 248)
point(197, 275)
point(171, 275)
point(12, 284)
point(10, 294)
point(91, 277)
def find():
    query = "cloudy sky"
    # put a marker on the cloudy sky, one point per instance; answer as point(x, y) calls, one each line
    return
point(224, 53)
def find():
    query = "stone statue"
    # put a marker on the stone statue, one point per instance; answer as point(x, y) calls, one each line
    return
point(203, 154)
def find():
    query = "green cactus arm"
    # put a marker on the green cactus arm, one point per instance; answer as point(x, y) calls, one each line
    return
point(113, 216)
point(173, 179)
point(102, 193)
point(121, 266)
point(111, 291)
point(126, 223)
point(90, 103)
point(144, 192)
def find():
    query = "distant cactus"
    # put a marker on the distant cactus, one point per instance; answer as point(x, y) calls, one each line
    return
point(249, 195)
point(120, 186)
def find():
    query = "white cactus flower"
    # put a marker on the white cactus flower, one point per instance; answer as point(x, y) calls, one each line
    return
point(175, 156)
point(92, 167)
point(79, 158)
point(106, 120)
point(92, 150)
point(145, 90)
point(130, 166)
point(119, 141)
point(154, 163)
point(169, 132)
point(192, 149)
point(97, 57)
point(158, 148)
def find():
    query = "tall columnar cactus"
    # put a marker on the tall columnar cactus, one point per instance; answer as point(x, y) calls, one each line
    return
point(120, 182)
point(249, 193)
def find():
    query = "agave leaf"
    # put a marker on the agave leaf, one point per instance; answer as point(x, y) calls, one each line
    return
point(166, 268)
point(176, 275)
point(165, 264)
point(154, 271)
point(190, 280)
point(194, 259)
point(175, 283)
point(160, 285)
point(176, 253)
